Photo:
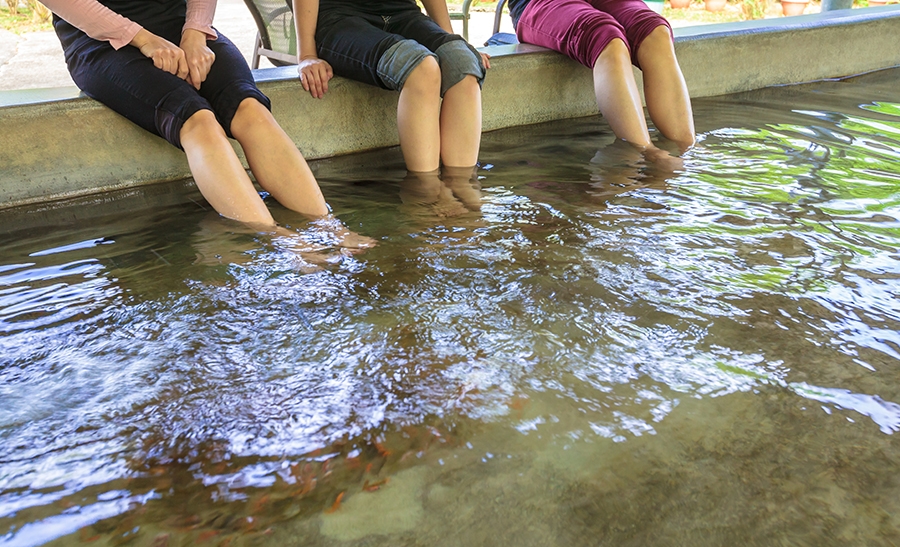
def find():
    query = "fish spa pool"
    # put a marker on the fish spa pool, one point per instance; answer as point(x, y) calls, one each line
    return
point(577, 347)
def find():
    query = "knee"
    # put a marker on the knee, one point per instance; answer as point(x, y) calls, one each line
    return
point(459, 62)
point(616, 51)
point(201, 125)
point(468, 85)
point(425, 79)
point(658, 43)
point(250, 113)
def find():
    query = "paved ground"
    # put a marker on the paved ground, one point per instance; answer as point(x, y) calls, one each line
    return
point(35, 60)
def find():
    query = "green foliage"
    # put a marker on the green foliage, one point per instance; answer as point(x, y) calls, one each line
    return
point(23, 21)
point(697, 14)
point(755, 9)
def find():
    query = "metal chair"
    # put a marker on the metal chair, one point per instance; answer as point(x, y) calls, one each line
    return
point(276, 37)
point(498, 15)
point(464, 17)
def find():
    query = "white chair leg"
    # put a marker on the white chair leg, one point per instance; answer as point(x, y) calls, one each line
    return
point(255, 61)
point(465, 18)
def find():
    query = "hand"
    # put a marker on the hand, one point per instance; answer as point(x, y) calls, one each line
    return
point(486, 59)
point(198, 56)
point(164, 54)
point(314, 75)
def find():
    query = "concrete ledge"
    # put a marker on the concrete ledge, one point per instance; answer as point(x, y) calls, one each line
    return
point(58, 144)
point(742, 56)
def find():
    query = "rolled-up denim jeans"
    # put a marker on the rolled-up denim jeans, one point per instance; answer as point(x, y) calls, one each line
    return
point(381, 50)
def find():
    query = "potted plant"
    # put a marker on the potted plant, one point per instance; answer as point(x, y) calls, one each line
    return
point(793, 7)
point(714, 5)
point(679, 4)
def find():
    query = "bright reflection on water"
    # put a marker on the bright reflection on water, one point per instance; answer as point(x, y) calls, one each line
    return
point(606, 353)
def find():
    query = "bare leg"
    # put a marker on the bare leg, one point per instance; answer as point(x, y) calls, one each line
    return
point(418, 117)
point(463, 182)
point(421, 187)
point(461, 123)
point(218, 172)
point(275, 161)
point(665, 90)
point(424, 192)
point(618, 96)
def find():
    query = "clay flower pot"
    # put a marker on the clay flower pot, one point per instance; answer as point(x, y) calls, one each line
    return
point(793, 7)
point(679, 4)
point(714, 5)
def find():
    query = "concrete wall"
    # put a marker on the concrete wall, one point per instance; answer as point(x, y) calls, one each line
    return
point(56, 144)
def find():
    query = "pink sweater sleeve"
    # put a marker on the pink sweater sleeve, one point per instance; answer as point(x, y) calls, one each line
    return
point(200, 16)
point(96, 20)
point(102, 23)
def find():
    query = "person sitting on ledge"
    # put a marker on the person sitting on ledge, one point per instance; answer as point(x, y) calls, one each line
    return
point(393, 45)
point(608, 36)
point(162, 65)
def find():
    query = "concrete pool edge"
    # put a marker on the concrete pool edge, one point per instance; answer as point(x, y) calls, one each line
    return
point(57, 144)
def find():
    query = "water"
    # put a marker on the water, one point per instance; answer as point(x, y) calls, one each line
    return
point(582, 349)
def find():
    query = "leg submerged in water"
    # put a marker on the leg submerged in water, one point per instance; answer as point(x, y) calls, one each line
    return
point(617, 94)
point(424, 193)
point(275, 161)
point(620, 104)
point(461, 123)
point(218, 172)
point(665, 90)
point(464, 184)
point(278, 165)
point(418, 117)
point(450, 192)
point(610, 37)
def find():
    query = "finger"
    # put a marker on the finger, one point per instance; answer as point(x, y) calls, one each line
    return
point(309, 81)
point(313, 83)
point(168, 63)
point(324, 76)
point(195, 76)
point(210, 61)
point(304, 81)
point(182, 68)
point(316, 84)
point(199, 70)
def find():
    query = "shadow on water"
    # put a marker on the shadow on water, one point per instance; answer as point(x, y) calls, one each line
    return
point(571, 345)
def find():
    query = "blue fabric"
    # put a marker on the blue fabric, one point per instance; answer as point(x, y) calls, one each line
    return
point(459, 59)
point(400, 60)
point(354, 42)
point(502, 39)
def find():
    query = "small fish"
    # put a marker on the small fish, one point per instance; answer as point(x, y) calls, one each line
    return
point(336, 505)
point(207, 535)
point(375, 485)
